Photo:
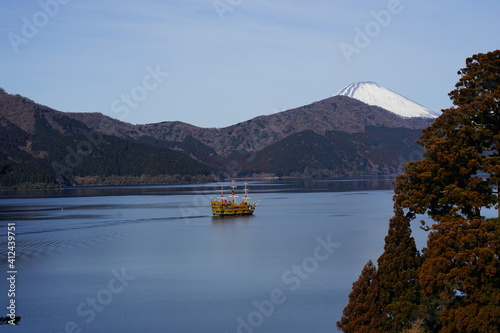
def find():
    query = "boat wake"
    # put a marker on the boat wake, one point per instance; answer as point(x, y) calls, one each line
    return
point(46, 241)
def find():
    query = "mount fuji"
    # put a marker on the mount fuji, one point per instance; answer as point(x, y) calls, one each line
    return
point(373, 94)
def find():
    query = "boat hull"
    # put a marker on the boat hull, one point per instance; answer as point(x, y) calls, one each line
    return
point(230, 209)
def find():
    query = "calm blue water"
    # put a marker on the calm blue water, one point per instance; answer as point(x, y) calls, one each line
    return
point(153, 259)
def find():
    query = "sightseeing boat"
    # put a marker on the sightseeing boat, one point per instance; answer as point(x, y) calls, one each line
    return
point(222, 206)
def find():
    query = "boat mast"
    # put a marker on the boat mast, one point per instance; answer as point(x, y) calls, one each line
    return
point(245, 196)
point(232, 192)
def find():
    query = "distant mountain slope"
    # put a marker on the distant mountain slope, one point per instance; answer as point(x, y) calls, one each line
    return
point(42, 145)
point(378, 150)
point(373, 94)
point(304, 152)
point(332, 137)
point(15, 151)
point(338, 113)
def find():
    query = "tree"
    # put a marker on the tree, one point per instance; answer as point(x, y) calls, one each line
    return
point(387, 299)
point(363, 313)
point(453, 184)
point(397, 275)
point(461, 275)
point(462, 162)
point(478, 91)
point(455, 285)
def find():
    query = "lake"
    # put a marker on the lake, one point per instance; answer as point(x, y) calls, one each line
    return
point(153, 259)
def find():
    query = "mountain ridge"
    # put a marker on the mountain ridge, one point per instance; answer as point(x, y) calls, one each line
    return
point(45, 146)
point(330, 137)
point(334, 113)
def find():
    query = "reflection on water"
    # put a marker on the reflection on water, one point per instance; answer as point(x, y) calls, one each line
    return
point(194, 272)
point(232, 219)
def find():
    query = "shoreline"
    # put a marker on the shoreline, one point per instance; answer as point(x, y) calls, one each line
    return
point(145, 180)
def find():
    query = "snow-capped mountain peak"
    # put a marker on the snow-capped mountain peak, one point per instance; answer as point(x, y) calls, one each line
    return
point(373, 94)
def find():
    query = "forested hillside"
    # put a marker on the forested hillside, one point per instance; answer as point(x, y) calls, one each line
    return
point(338, 136)
point(49, 147)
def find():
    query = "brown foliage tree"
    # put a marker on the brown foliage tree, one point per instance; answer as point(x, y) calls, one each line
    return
point(387, 299)
point(460, 277)
point(462, 161)
point(363, 313)
point(458, 283)
point(457, 287)
point(462, 274)
point(397, 275)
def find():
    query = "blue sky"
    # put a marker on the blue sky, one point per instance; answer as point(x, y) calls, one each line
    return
point(213, 63)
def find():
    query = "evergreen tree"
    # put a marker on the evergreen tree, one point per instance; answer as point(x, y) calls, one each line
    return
point(460, 277)
point(397, 275)
point(455, 287)
point(363, 313)
point(462, 161)
point(387, 299)
point(478, 94)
